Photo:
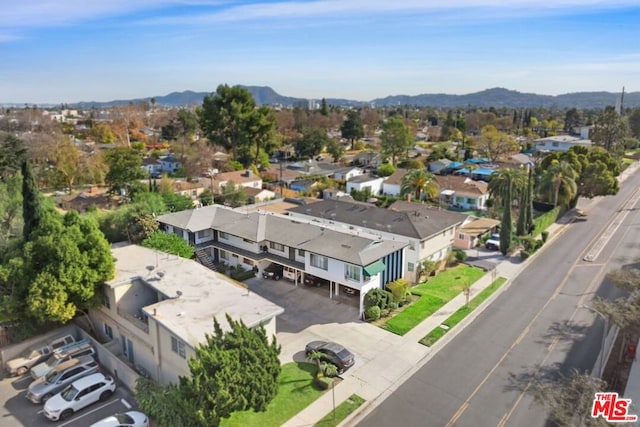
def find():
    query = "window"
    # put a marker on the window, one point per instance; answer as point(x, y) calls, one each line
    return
point(276, 246)
point(410, 266)
point(204, 233)
point(108, 331)
point(300, 252)
point(223, 235)
point(247, 261)
point(106, 300)
point(177, 346)
point(319, 261)
point(224, 255)
point(352, 272)
point(461, 236)
point(471, 201)
point(555, 143)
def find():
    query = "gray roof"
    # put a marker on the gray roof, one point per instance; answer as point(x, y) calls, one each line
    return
point(363, 178)
point(410, 220)
point(351, 246)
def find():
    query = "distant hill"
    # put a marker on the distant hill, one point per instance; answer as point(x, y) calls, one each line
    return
point(495, 97)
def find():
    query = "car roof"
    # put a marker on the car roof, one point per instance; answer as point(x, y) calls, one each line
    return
point(72, 362)
point(89, 380)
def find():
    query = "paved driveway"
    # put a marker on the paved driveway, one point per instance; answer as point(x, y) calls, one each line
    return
point(310, 315)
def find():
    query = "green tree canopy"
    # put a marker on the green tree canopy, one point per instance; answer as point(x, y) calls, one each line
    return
point(609, 130)
point(234, 370)
point(169, 243)
point(395, 139)
point(12, 155)
point(494, 144)
point(125, 168)
point(507, 184)
point(229, 117)
point(335, 148)
point(352, 128)
point(311, 142)
point(233, 195)
point(420, 184)
point(66, 260)
point(559, 178)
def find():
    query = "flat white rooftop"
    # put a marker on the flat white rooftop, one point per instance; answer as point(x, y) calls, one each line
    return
point(194, 294)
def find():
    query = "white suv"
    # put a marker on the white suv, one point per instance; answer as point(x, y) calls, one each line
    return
point(78, 395)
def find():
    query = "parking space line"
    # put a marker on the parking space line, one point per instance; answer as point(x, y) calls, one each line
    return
point(87, 413)
point(125, 403)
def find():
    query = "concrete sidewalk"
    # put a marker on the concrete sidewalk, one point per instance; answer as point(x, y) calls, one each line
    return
point(398, 357)
point(401, 356)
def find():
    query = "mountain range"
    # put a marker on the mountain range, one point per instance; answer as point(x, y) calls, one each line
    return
point(495, 97)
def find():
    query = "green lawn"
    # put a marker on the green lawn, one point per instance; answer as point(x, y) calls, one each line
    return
point(434, 293)
point(342, 411)
point(296, 391)
point(462, 312)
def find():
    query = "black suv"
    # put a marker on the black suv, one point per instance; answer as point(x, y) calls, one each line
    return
point(310, 280)
point(273, 271)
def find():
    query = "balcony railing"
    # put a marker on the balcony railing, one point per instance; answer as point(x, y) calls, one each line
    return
point(139, 321)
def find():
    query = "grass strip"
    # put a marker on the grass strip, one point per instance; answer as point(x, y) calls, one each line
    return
point(342, 411)
point(461, 313)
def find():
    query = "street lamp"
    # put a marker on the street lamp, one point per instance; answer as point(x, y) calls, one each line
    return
point(604, 334)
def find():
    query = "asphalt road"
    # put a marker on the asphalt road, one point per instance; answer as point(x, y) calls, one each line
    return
point(537, 323)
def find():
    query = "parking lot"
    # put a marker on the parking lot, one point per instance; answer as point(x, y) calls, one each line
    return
point(19, 411)
point(309, 315)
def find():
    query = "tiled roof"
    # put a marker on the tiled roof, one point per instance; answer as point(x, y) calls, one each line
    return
point(462, 185)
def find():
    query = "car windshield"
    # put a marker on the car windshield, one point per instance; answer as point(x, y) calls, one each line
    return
point(69, 393)
point(124, 419)
point(32, 354)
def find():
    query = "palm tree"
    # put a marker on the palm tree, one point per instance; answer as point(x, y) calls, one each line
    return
point(559, 178)
point(419, 182)
point(507, 184)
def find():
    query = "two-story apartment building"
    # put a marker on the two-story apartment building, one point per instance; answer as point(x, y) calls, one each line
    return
point(159, 308)
point(428, 232)
point(346, 258)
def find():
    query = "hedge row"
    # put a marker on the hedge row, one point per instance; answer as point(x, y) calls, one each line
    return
point(542, 222)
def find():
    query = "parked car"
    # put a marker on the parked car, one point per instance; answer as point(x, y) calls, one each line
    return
point(125, 419)
point(310, 280)
point(493, 243)
point(273, 271)
point(333, 353)
point(79, 394)
point(62, 354)
point(64, 374)
point(350, 291)
point(20, 365)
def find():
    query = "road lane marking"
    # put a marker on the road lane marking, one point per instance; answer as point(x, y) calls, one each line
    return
point(88, 413)
point(581, 301)
point(125, 403)
point(564, 281)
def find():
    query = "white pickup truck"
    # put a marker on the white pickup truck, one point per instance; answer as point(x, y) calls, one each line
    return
point(32, 356)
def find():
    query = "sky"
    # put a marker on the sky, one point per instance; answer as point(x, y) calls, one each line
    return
point(65, 51)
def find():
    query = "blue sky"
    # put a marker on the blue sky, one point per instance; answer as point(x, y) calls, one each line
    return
point(99, 50)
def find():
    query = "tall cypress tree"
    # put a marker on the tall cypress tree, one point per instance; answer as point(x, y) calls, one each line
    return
point(31, 203)
point(505, 227)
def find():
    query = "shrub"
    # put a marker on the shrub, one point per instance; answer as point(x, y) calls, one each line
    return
point(372, 313)
point(461, 255)
point(451, 259)
point(377, 297)
point(544, 235)
point(398, 289)
point(323, 383)
point(386, 169)
point(524, 255)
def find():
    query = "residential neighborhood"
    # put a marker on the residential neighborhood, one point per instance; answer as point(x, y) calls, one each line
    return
point(319, 213)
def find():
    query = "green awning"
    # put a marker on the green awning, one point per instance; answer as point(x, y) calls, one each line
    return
point(375, 268)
